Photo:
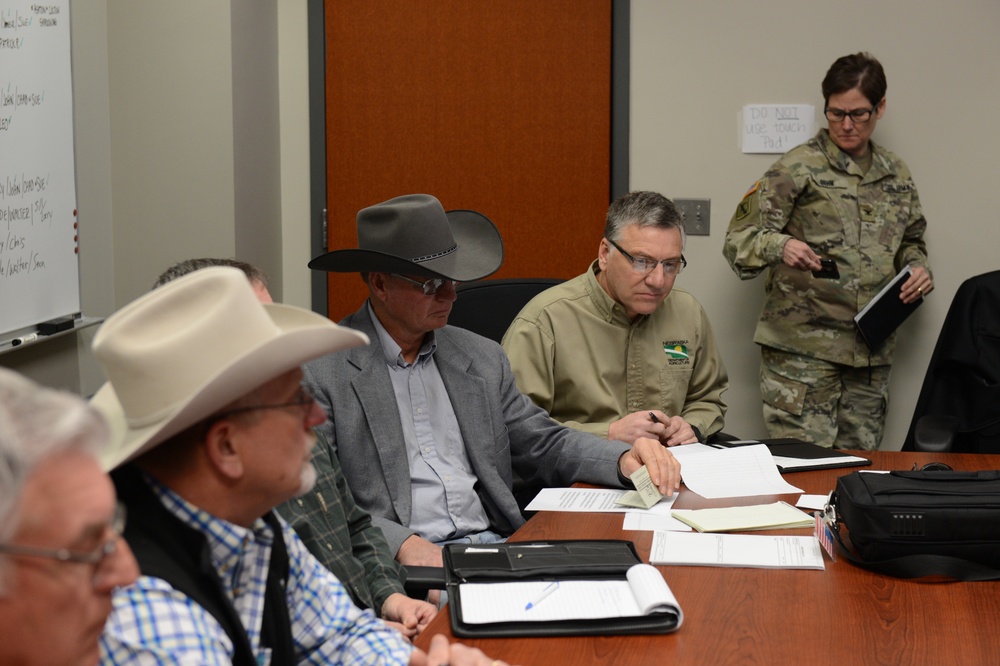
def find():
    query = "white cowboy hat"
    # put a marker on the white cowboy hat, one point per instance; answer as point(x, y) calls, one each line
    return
point(412, 234)
point(184, 351)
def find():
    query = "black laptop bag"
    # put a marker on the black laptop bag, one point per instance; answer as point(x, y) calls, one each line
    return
point(922, 523)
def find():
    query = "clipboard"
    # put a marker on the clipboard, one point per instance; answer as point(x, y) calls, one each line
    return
point(546, 561)
point(790, 447)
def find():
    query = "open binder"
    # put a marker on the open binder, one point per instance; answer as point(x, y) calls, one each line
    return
point(523, 574)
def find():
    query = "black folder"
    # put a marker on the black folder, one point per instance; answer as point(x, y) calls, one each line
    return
point(546, 560)
point(885, 312)
point(795, 448)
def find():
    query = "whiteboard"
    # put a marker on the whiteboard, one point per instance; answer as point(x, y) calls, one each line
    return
point(39, 252)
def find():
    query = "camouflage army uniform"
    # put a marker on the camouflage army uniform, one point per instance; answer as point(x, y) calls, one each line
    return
point(812, 357)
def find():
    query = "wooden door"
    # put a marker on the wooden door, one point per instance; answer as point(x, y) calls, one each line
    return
point(499, 106)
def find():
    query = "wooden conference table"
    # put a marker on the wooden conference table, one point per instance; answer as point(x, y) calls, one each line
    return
point(843, 615)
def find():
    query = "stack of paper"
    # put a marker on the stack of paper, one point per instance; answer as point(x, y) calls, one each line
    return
point(736, 550)
point(742, 518)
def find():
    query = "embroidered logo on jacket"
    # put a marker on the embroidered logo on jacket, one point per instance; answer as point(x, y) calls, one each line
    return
point(677, 352)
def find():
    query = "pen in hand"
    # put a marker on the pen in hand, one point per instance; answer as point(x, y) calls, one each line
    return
point(549, 589)
point(652, 417)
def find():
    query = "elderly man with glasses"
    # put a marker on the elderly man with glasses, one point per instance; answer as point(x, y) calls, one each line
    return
point(212, 429)
point(618, 351)
point(61, 553)
point(338, 532)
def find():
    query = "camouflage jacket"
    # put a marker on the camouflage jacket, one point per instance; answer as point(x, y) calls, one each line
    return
point(871, 225)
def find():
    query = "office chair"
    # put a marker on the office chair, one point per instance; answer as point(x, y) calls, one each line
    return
point(487, 307)
point(959, 404)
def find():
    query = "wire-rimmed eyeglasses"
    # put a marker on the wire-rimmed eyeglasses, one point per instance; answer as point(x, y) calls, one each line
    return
point(646, 266)
point(303, 399)
point(429, 287)
point(98, 556)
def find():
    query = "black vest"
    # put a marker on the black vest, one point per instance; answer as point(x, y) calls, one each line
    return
point(168, 549)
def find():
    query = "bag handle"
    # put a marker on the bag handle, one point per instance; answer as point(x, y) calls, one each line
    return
point(917, 566)
point(921, 475)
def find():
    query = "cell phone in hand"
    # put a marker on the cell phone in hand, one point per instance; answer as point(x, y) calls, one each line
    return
point(828, 271)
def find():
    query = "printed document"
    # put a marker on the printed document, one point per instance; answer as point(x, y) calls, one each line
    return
point(597, 500)
point(736, 550)
point(647, 521)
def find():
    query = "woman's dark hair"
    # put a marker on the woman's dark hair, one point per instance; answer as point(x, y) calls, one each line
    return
point(861, 71)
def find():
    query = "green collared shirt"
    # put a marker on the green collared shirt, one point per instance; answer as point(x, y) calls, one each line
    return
point(577, 355)
point(340, 534)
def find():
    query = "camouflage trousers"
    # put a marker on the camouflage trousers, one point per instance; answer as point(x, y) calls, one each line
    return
point(826, 403)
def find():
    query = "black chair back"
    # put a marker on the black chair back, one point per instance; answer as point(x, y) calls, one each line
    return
point(487, 307)
point(961, 389)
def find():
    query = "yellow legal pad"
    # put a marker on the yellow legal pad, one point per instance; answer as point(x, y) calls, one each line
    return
point(777, 516)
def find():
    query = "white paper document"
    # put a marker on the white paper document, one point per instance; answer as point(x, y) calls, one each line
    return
point(598, 500)
point(786, 463)
point(642, 592)
point(736, 550)
point(644, 521)
point(741, 471)
point(813, 502)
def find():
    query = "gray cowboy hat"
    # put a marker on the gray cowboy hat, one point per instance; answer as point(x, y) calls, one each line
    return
point(413, 235)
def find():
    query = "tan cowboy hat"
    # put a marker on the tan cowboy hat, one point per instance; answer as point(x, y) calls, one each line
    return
point(187, 349)
point(412, 234)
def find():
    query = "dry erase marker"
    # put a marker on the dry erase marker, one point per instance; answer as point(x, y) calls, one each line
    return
point(549, 589)
point(31, 337)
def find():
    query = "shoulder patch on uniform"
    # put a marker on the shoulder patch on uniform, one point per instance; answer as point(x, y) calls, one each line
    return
point(743, 209)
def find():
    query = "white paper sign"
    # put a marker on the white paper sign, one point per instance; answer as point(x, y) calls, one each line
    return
point(777, 128)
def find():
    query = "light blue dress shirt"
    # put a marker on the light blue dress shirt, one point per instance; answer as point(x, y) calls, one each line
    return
point(445, 503)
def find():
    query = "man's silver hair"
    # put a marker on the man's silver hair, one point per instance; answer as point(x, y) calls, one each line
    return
point(645, 209)
point(35, 423)
point(182, 268)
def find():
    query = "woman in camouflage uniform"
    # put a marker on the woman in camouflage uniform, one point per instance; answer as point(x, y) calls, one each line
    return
point(843, 197)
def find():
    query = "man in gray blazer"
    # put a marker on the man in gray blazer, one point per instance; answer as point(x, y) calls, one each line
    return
point(427, 422)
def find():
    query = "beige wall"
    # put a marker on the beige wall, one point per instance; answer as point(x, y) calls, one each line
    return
point(694, 66)
point(191, 130)
point(179, 145)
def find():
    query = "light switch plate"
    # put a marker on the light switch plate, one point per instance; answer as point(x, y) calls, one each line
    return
point(696, 214)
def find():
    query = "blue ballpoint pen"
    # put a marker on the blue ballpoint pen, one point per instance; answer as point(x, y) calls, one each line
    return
point(549, 589)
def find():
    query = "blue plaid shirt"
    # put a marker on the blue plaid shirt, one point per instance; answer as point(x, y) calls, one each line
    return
point(152, 623)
